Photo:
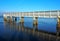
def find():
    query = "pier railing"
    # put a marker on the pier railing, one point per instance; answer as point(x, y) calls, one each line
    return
point(47, 14)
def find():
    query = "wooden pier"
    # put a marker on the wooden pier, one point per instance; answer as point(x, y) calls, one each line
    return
point(34, 31)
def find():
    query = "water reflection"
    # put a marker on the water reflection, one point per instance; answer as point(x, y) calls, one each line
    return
point(24, 27)
point(19, 33)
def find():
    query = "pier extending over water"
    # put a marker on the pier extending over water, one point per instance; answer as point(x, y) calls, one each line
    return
point(35, 15)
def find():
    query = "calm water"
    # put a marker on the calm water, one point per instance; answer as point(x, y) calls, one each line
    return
point(45, 24)
point(8, 35)
point(48, 25)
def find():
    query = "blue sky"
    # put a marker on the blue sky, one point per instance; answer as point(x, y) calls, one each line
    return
point(28, 5)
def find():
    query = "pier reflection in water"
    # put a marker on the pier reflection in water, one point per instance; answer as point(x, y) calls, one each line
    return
point(27, 27)
point(27, 33)
point(19, 34)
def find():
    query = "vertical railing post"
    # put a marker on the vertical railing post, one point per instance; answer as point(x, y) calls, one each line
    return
point(44, 13)
point(58, 13)
point(50, 14)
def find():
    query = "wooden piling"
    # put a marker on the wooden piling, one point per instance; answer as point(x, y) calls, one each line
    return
point(35, 25)
point(22, 23)
point(58, 28)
